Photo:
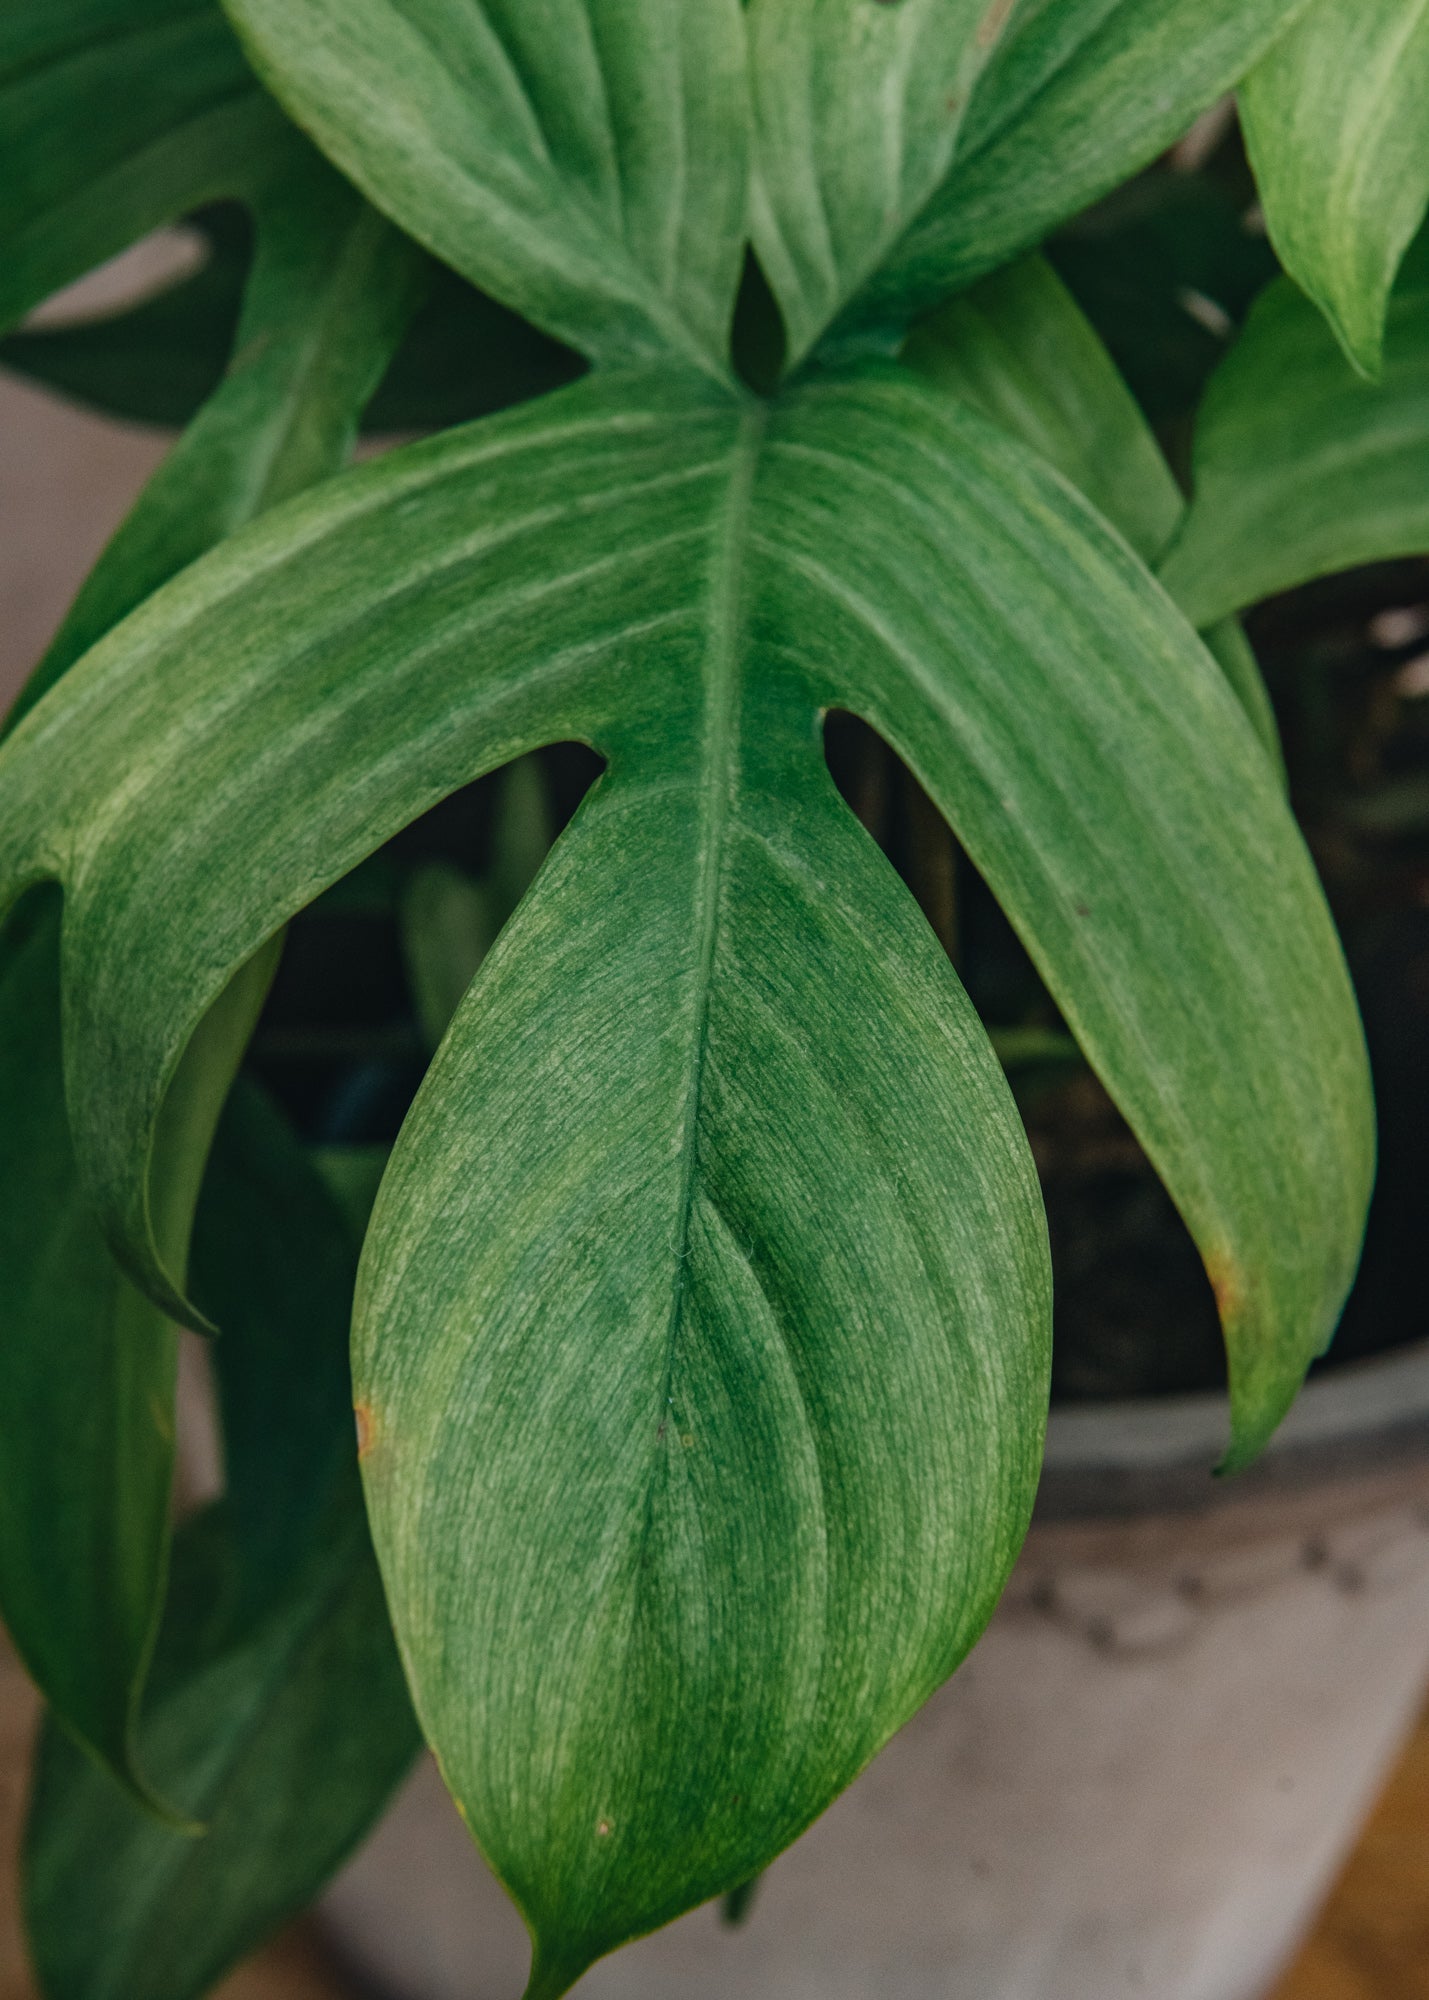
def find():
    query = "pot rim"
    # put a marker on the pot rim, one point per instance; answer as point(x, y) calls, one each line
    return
point(1157, 1453)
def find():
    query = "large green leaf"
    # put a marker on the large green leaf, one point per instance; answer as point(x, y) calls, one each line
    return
point(1334, 120)
point(1019, 349)
point(857, 109)
point(1301, 466)
point(84, 1533)
point(585, 161)
point(702, 1333)
point(115, 116)
point(278, 1715)
point(1080, 94)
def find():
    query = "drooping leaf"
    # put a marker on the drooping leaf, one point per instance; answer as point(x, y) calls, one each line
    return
point(87, 1364)
point(782, 1467)
point(283, 1738)
point(1301, 466)
point(584, 161)
point(84, 1531)
point(116, 116)
point(857, 108)
point(277, 1716)
point(687, 582)
point(1334, 121)
point(1079, 94)
point(1018, 348)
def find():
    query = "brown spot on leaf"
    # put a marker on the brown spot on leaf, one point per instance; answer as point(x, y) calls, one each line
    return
point(1227, 1285)
point(366, 1429)
point(1083, 909)
point(989, 31)
point(604, 1829)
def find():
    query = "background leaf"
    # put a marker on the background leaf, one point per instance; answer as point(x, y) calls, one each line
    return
point(1334, 121)
point(1077, 97)
point(84, 1536)
point(87, 1411)
point(1302, 467)
point(117, 116)
point(278, 1715)
point(585, 161)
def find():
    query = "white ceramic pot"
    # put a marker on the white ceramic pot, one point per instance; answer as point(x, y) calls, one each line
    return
point(1141, 1783)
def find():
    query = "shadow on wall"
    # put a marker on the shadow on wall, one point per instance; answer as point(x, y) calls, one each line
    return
point(67, 479)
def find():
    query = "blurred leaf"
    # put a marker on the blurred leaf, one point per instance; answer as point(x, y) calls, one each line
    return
point(1337, 127)
point(277, 1713)
point(463, 355)
point(1152, 267)
point(543, 152)
point(450, 922)
point(284, 1736)
point(116, 116)
point(1302, 467)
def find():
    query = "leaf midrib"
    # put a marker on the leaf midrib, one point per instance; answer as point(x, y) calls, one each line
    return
point(718, 774)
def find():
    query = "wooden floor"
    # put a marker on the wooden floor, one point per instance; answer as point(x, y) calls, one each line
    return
point(1372, 1942)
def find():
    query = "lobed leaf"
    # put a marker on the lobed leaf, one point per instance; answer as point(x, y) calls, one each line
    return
point(1301, 466)
point(611, 1209)
point(1079, 95)
point(585, 161)
point(1334, 124)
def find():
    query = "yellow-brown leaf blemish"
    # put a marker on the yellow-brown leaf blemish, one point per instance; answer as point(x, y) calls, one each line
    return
point(1227, 1284)
point(366, 1430)
point(993, 22)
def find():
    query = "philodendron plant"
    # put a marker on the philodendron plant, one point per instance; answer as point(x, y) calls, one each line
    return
point(701, 1334)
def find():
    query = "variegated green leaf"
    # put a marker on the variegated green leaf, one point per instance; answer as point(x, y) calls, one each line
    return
point(585, 161)
point(716, 1379)
point(1334, 120)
